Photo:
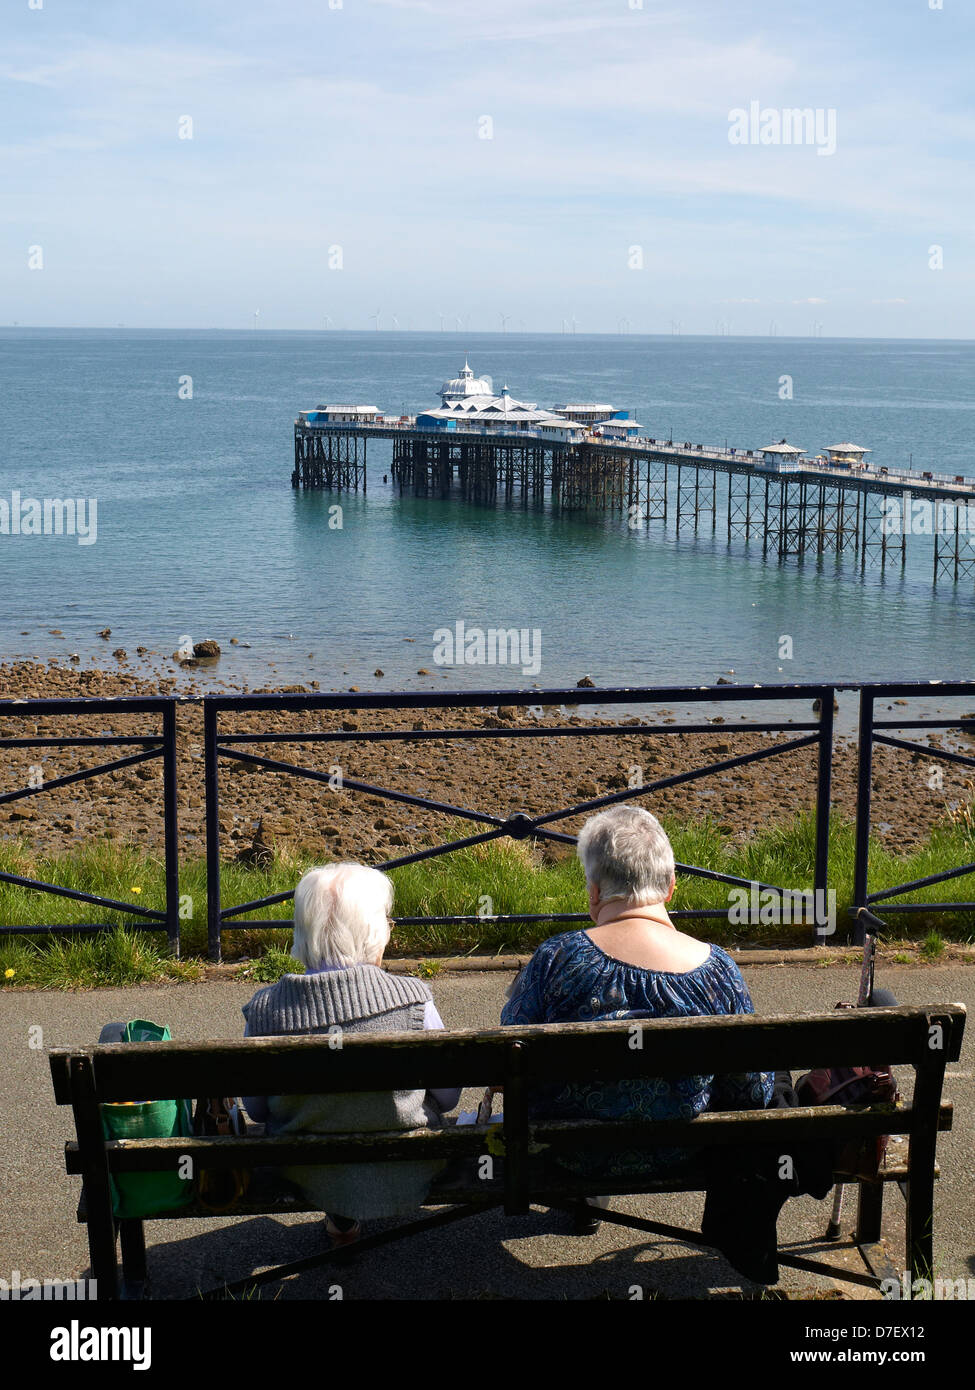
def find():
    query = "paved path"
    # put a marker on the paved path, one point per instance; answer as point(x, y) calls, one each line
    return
point(531, 1257)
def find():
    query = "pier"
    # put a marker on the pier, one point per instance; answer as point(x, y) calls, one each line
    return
point(483, 448)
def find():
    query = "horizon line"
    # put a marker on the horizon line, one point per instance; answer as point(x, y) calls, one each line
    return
point(481, 333)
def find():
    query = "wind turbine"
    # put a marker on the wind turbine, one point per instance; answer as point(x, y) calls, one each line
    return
point(328, 321)
point(773, 329)
point(257, 314)
point(442, 317)
point(395, 321)
point(573, 322)
point(376, 317)
point(623, 325)
point(504, 322)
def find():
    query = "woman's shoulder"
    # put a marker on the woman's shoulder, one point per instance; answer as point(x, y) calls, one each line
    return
point(717, 956)
point(565, 941)
point(721, 961)
point(723, 970)
point(266, 993)
point(559, 948)
point(264, 1000)
point(403, 986)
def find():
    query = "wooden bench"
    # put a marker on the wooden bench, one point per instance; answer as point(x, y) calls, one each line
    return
point(921, 1037)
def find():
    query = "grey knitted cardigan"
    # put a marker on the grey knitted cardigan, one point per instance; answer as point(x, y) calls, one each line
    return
point(362, 999)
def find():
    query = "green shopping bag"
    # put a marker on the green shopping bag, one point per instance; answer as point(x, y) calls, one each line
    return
point(142, 1194)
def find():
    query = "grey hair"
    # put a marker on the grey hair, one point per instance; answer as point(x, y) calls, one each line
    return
point(341, 915)
point(625, 852)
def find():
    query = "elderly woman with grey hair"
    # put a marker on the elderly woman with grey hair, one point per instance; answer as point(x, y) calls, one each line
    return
point(632, 963)
point(342, 927)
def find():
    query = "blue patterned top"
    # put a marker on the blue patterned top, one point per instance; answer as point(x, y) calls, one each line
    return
point(570, 980)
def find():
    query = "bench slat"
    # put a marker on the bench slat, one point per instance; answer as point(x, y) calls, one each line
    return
point(579, 1052)
point(288, 1202)
point(712, 1128)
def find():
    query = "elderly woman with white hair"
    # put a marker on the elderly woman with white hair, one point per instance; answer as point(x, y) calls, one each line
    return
point(342, 927)
point(632, 963)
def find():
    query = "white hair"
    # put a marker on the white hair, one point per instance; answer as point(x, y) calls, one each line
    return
point(341, 915)
point(626, 854)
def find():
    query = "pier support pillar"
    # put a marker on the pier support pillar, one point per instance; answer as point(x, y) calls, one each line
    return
point(954, 548)
point(744, 510)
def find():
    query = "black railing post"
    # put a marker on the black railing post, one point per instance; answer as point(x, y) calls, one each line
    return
point(823, 792)
point(864, 783)
point(212, 829)
point(170, 825)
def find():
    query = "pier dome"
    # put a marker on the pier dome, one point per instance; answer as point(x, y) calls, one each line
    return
point(469, 401)
point(466, 384)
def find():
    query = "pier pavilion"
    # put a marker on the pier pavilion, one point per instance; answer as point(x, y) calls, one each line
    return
point(783, 457)
point(618, 427)
point(848, 455)
point(469, 400)
point(585, 414)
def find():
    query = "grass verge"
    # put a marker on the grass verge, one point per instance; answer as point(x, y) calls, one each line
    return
point(481, 882)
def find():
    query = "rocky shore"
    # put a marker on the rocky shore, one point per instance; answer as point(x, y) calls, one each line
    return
point(495, 775)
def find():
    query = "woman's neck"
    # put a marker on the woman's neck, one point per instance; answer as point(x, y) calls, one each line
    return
point(655, 913)
point(327, 966)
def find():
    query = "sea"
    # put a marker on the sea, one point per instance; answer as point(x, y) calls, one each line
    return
point(185, 440)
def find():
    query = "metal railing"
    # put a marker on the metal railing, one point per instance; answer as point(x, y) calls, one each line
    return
point(224, 744)
point(704, 453)
point(871, 733)
point(160, 745)
point(221, 743)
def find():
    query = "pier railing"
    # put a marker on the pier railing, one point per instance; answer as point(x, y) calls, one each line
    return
point(925, 480)
point(226, 743)
point(159, 745)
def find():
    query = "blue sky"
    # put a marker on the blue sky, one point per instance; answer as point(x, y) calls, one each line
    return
point(361, 127)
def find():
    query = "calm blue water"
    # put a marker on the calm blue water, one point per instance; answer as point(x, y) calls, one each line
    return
point(200, 532)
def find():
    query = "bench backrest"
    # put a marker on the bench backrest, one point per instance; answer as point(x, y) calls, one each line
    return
point(925, 1037)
